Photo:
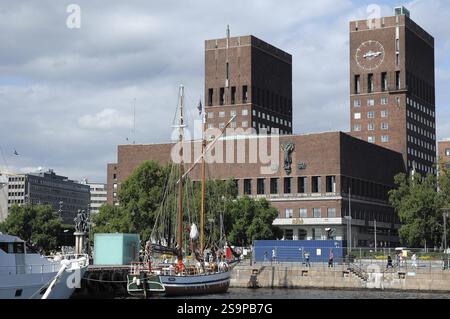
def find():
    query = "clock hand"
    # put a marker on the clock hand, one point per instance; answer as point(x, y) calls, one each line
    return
point(371, 54)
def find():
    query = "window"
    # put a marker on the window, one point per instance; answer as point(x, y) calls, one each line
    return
point(317, 213)
point(303, 213)
point(370, 115)
point(384, 126)
point(244, 123)
point(222, 96)
point(384, 83)
point(357, 103)
point(210, 125)
point(115, 186)
point(331, 184)
point(232, 113)
point(274, 186)
point(302, 185)
point(244, 112)
point(210, 97)
point(447, 152)
point(260, 186)
point(371, 139)
point(370, 83)
point(233, 94)
point(357, 116)
point(244, 94)
point(331, 212)
point(114, 176)
point(222, 114)
point(315, 184)
point(288, 185)
point(288, 234)
point(357, 88)
point(221, 125)
point(289, 212)
point(384, 114)
point(371, 127)
point(384, 101)
point(210, 115)
point(397, 80)
point(357, 128)
point(370, 102)
point(247, 186)
point(385, 139)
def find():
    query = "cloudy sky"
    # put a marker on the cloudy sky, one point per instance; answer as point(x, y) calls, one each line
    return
point(67, 94)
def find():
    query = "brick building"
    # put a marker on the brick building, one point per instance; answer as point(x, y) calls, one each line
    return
point(444, 153)
point(392, 90)
point(325, 168)
point(251, 79)
point(325, 178)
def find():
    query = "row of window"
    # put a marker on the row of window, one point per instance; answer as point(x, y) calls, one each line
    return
point(315, 213)
point(371, 82)
point(16, 179)
point(383, 139)
point(371, 102)
point(16, 186)
point(420, 119)
point(426, 157)
point(421, 143)
point(274, 119)
point(232, 98)
point(414, 128)
point(420, 107)
point(421, 167)
point(244, 112)
point(15, 194)
point(370, 127)
point(302, 185)
point(371, 115)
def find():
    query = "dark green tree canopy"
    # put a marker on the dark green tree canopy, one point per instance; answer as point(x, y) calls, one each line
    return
point(36, 224)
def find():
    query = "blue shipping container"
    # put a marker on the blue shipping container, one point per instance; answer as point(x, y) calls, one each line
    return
point(116, 249)
point(293, 250)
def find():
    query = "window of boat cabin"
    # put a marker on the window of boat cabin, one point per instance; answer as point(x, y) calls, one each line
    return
point(13, 248)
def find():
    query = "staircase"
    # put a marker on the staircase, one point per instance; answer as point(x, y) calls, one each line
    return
point(358, 272)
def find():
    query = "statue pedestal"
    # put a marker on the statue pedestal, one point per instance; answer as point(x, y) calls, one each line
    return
point(80, 242)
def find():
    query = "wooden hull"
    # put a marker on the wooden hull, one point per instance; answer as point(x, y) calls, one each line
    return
point(167, 285)
point(196, 284)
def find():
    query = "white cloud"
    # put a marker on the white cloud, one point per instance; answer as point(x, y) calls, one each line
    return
point(66, 95)
point(106, 119)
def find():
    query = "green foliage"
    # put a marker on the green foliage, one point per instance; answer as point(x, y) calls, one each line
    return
point(252, 221)
point(419, 206)
point(38, 225)
point(141, 196)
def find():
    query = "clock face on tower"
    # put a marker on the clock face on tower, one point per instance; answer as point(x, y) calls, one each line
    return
point(370, 55)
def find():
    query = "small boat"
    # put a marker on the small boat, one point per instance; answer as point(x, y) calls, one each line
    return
point(26, 274)
point(204, 271)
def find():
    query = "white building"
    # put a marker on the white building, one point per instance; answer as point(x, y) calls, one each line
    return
point(3, 197)
point(98, 196)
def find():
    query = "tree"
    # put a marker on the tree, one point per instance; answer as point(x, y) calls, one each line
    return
point(140, 197)
point(418, 205)
point(252, 220)
point(36, 224)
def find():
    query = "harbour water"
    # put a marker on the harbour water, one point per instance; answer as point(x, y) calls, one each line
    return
point(262, 293)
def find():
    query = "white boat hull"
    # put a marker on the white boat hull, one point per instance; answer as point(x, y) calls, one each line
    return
point(34, 285)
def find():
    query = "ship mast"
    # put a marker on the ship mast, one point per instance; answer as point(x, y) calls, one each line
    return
point(180, 184)
point(202, 214)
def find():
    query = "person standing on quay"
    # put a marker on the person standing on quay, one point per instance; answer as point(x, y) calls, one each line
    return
point(330, 258)
point(389, 262)
point(307, 259)
point(274, 255)
point(414, 260)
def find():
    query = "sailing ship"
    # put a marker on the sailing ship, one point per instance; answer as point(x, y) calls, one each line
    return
point(171, 272)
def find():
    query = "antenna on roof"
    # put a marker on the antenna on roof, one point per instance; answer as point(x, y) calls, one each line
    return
point(134, 122)
point(228, 35)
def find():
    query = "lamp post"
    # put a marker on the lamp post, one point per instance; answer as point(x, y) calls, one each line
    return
point(445, 216)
